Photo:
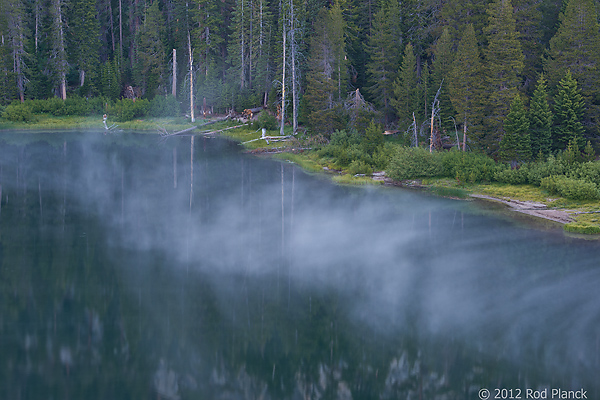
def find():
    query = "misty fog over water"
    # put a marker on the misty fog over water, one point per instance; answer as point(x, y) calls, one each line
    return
point(134, 268)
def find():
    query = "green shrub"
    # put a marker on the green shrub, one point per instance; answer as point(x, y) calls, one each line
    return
point(414, 162)
point(587, 171)
point(76, 106)
point(516, 176)
point(569, 188)
point(126, 109)
point(359, 167)
point(267, 121)
point(469, 167)
point(542, 169)
point(164, 106)
point(17, 112)
point(339, 138)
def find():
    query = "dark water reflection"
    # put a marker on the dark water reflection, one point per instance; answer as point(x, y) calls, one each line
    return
point(273, 284)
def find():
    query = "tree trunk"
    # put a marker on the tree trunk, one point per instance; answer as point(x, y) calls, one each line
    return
point(283, 83)
point(174, 88)
point(294, 83)
point(191, 78)
point(465, 136)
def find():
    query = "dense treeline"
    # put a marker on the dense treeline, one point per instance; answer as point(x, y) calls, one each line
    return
point(516, 78)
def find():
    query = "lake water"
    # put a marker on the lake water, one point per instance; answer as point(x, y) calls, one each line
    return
point(131, 268)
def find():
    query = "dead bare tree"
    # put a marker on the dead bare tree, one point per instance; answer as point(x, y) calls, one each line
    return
point(434, 138)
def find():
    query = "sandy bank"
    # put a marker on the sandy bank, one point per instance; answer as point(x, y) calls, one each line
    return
point(531, 208)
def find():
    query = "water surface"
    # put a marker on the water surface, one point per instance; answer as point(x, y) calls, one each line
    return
point(134, 268)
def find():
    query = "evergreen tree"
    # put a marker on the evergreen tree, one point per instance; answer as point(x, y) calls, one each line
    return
point(504, 63)
point(150, 55)
point(84, 35)
point(58, 53)
point(110, 82)
point(406, 94)
point(569, 108)
point(382, 67)
point(515, 144)
point(465, 85)
point(327, 77)
point(541, 119)
point(458, 14)
point(576, 47)
point(528, 19)
point(441, 70)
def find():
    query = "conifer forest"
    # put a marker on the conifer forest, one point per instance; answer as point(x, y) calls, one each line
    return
point(515, 78)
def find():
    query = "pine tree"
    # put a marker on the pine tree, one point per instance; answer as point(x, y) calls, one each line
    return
point(458, 14)
point(384, 57)
point(327, 75)
point(84, 35)
point(441, 69)
point(58, 54)
point(541, 119)
point(515, 144)
point(504, 63)
point(465, 86)
point(576, 47)
point(406, 94)
point(569, 109)
point(150, 54)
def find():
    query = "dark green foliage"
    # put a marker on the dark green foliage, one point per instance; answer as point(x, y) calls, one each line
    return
point(504, 64)
point(373, 138)
point(574, 189)
point(515, 144)
point(414, 162)
point(126, 109)
point(568, 109)
point(164, 106)
point(383, 49)
point(541, 119)
point(576, 48)
point(406, 92)
point(466, 85)
point(267, 121)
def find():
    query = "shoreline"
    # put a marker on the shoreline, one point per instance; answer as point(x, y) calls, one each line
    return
point(532, 208)
point(572, 219)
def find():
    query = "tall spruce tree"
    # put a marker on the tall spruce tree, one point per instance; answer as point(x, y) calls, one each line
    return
point(441, 69)
point(576, 47)
point(515, 144)
point(327, 77)
point(406, 92)
point(384, 56)
point(465, 86)
point(84, 41)
point(569, 109)
point(504, 64)
point(150, 54)
point(540, 119)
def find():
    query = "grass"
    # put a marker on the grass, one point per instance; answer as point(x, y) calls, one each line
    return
point(304, 160)
point(51, 122)
point(348, 179)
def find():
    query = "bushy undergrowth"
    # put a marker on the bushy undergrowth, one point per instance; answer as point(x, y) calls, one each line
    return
point(559, 175)
point(574, 189)
point(120, 110)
